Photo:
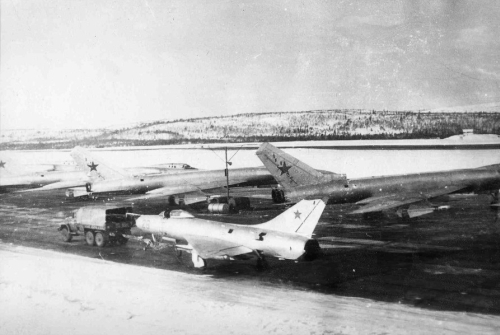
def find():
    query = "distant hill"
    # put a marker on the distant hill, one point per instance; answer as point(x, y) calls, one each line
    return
point(493, 107)
point(281, 126)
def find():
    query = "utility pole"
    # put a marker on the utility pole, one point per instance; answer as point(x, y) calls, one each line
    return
point(227, 177)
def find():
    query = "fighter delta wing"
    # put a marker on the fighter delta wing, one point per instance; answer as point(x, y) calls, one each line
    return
point(289, 171)
point(300, 181)
point(288, 236)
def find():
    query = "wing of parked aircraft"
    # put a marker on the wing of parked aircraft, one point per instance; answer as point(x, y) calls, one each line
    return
point(200, 186)
point(57, 185)
point(209, 247)
point(395, 200)
point(96, 166)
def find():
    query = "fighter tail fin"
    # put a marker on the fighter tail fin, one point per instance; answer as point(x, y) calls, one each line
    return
point(300, 219)
point(95, 166)
point(288, 170)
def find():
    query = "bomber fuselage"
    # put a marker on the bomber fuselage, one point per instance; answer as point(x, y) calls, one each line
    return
point(341, 191)
point(43, 178)
point(143, 184)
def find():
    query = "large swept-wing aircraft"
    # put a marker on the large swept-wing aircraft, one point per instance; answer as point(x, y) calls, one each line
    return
point(15, 176)
point(106, 179)
point(42, 177)
point(375, 194)
point(287, 236)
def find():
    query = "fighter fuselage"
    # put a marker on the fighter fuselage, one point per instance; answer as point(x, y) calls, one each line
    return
point(267, 242)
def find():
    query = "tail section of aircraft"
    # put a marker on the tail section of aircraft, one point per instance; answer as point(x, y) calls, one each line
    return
point(95, 166)
point(300, 219)
point(4, 168)
point(289, 171)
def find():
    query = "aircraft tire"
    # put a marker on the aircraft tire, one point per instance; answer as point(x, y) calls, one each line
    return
point(89, 237)
point(66, 235)
point(101, 239)
point(262, 264)
point(198, 262)
point(278, 196)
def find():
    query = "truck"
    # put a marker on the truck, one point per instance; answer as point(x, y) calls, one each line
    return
point(99, 224)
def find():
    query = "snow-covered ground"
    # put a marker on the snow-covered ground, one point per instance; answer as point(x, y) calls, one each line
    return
point(45, 292)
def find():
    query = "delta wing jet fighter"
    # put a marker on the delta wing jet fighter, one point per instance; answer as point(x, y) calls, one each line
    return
point(106, 179)
point(287, 236)
point(375, 194)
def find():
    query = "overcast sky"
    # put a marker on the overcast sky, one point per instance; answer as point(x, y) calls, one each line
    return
point(93, 63)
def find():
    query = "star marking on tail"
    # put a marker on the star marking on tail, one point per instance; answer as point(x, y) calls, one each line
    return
point(297, 214)
point(283, 168)
point(93, 167)
point(2, 164)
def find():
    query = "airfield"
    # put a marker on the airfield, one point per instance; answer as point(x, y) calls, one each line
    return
point(438, 273)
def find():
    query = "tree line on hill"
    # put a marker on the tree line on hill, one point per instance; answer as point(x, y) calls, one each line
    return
point(273, 127)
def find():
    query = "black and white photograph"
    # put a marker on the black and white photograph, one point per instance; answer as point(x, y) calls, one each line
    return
point(249, 167)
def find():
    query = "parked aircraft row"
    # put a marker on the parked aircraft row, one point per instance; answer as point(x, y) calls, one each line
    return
point(296, 180)
point(287, 236)
point(38, 177)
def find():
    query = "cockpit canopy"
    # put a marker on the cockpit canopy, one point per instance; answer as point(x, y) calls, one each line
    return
point(176, 213)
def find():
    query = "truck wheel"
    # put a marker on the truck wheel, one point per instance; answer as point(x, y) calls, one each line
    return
point(101, 239)
point(66, 236)
point(89, 237)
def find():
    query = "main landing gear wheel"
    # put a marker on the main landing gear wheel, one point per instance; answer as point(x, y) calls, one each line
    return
point(278, 195)
point(101, 239)
point(198, 262)
point(66, 235)
point(178, 255)
point(89, 237)
point(262, 264)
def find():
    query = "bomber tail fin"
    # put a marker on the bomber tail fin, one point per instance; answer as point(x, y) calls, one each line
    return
point(95, 166)
point(300, 219)
point(289, 171)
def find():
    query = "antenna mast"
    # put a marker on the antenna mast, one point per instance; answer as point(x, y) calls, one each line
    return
point(227, 177)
